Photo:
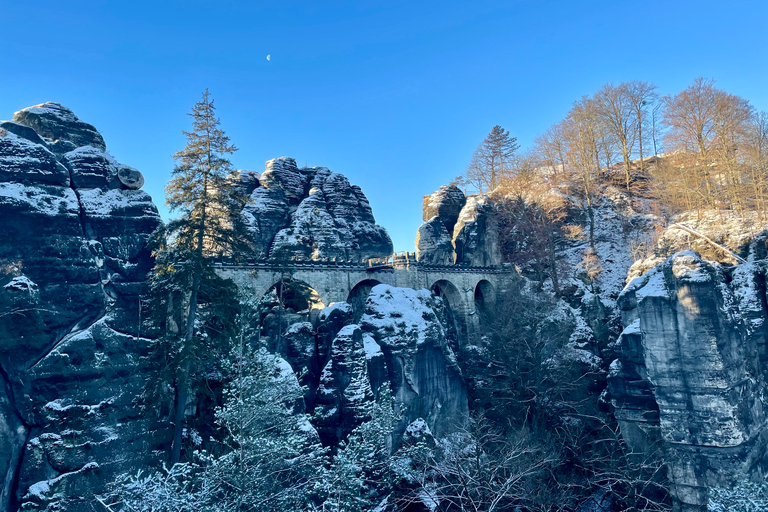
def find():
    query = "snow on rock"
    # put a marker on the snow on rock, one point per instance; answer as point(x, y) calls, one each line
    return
point(22, 284)
point(433, 243)
point(405, 315)
point(81, 240)
point(38, 200)
point(372, 349)
point(688, 370)
point(476, 234)
point(312, 214)
point(408, 325)
point(344, 394)
point(55, 122)
point(100, 204)
point(24, 160)
point(341, 307)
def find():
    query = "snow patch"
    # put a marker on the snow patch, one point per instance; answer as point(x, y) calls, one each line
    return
point(372, 349)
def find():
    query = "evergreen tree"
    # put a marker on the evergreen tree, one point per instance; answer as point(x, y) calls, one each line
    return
point(492, 161)
point(275, 461)
point(210, 224)
point(360, 475)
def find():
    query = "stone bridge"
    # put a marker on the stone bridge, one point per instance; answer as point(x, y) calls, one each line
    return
point(469, 291)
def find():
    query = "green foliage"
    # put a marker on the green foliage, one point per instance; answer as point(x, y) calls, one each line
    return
point(202, 189)
point(274, 457)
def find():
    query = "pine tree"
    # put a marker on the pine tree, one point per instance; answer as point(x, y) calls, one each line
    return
point(210, 224)
point(275, 461)
point(492, 161)
point(360, 474)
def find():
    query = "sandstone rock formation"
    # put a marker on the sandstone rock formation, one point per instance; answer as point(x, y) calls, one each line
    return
point(445, 203)
point(73, 261)
point(691, 372)
point(458, 229)
point(312, 214)
point(434, 244)
point(409, 326)
point(476, 234)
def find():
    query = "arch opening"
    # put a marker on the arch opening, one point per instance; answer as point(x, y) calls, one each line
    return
point(485, 302)
point(287, 302)
point(457, 329)
point(358, 295)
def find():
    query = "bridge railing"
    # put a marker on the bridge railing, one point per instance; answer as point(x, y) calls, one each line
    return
point(396, 261)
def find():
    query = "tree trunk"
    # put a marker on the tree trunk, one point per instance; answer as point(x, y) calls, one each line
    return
point(182, 379)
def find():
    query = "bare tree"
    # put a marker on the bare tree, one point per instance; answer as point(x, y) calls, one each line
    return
point(640, 96)
point(706, 127)
point(614, 109)
point(551, 148)
point(582, 134)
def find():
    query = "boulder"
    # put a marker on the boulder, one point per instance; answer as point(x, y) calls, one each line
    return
point(130, 178)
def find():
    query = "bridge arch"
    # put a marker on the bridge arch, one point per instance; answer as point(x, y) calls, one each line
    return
point(359, 294)
point(485, 300)
point(455, 310)
point(294, 294)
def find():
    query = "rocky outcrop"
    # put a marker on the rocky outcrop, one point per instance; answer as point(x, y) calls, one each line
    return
point(433, 243)
point(458, 229)
point(409, 327)
point(345, 389)
point(690, 372)
point(312, 214)
point(73, 262)
point(476, 234)
point(399, 340)
point(445, 203)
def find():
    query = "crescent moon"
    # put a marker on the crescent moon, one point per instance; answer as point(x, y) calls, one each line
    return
point(268, 56)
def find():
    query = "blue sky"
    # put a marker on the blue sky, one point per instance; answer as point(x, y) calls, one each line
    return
point(396, 95)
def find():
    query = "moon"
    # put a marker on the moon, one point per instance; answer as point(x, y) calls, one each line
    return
point(268, 56)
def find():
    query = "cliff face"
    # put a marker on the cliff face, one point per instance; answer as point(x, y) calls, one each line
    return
point(312, 214)
point(73, 260)
point(691, 372)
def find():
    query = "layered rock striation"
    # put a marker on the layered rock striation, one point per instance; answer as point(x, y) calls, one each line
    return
point(74, 259)
point(690, 374)
point(312, 214)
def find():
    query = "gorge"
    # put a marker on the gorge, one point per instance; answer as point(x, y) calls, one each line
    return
point(677, 358)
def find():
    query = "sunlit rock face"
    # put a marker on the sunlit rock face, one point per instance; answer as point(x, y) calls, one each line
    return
point(409, 327)
point(446, 203)
point(433, 243)
point(476, 234)
point(312, 214)
point(73, 261)
point(458, 229)
point(691, 371)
